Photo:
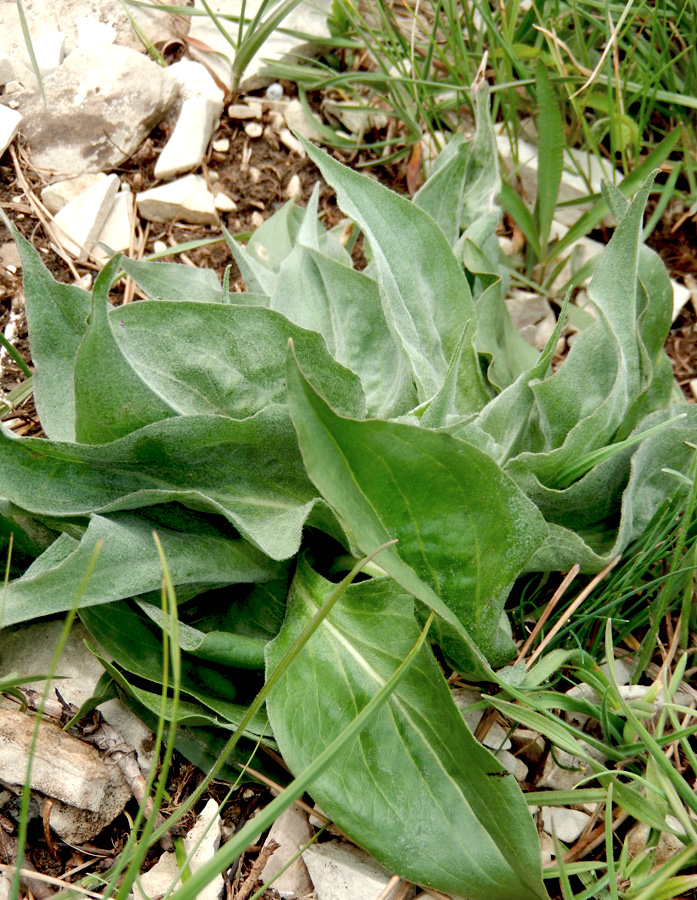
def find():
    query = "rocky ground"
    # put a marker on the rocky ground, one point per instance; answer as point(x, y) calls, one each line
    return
point(143, 159)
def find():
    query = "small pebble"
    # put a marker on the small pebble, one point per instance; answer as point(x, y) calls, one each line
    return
point(254, 175)
point(224, 203)
point(254, 129)
point(693, 387)
point(257, 219)
point(222, 145)
point(291, 142)
point(274, 91)
point(294, 190)
point(159, 246)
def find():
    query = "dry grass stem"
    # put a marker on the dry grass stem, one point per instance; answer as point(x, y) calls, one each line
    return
point(572, 609)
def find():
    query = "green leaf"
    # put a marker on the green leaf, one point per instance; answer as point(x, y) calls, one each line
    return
point(464, 530)
point(248, 470)
point(206, 358)
point(224, 648)
point(174, 281)
point(57, 319)
point(550, 154)
point(111, 400)
point(414, 788)
point(344, 307)
point(426, 298)
point(128, 564)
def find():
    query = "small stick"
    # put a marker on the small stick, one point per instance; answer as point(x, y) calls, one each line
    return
point(250, 881)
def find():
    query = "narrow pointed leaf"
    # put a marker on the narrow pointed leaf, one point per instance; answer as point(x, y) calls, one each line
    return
point(426, 298)
point(57, 319)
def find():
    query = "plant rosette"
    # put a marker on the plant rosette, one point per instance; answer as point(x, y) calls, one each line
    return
point(268, 436)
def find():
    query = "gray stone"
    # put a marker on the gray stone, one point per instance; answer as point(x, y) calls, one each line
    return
point(7, 70)
point(10, 120)
point(575, 769)
point(567, 824)
point(291, 831)
point(185, 200)
point(343, 872)
point(101, 104)
point(668, 846)
point(188, 143)
point(79, 672)
point(57, 195)
point(62, 768)
point(79, 222)
point(528, 312)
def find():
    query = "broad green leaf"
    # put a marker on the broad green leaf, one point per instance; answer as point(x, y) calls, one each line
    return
point(111, 400)
point(128, 564)
point(248, 470)
point(426, 298)
point(206, 358)
point(550, 154)
point(344, 307)
point(414, 788)
point(57, 319)
point(174, 281)
point(464, 530)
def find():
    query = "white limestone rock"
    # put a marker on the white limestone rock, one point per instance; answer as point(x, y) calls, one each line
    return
point(79, 673)
point(567, 824)
point(158, 880)
point(49, 51)
point(64, 769)
point(310, 18)
point(91, 32)
point(291, 831)
point(81, 220)
point(224, 203)
point(343, 872)
point(64, 15)
point(188, 143)
point(10, 120)
point(116, 231)
point(57, 195)
point(185, 200)
point(681, 295)
point(297, 120)
point(572, 187)
point(196, 81)
point(112, 98)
